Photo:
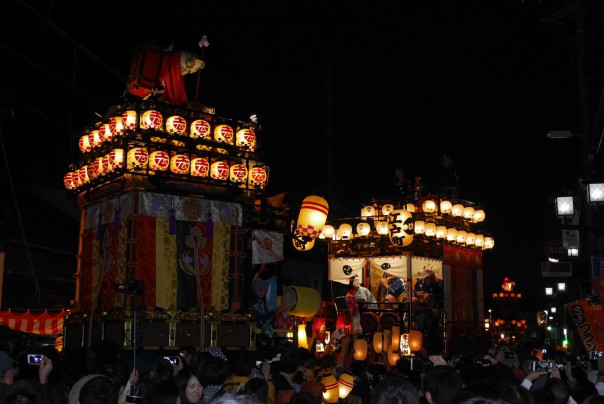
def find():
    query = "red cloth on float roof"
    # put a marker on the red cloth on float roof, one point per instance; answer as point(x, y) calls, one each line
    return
point(172, 80)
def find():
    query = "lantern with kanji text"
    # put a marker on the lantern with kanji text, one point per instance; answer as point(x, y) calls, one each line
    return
point(246, 139)
point(238, 173)
point(138, 158)
point(200, 167)
point(200, 129)
point(159, 160)
point(176, 125)
point(152, 119)
point(223, 134)
point(179, 164)
point(219, 170)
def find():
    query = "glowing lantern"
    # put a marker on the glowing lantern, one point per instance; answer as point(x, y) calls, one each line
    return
point(312, 217)
point(345, 231)
point(179, 164)
point(83, 175)
point(360, 349)
point(451, 234)
point(415, 340)
point(84, 144)
point(393, 357)
point(489, 243)
point(219, 170)
point(246, 138)
point(176, 125)
point(430, 229)
point(420, 227)
point(302, 341)
point(445, 207)
point(479, 216)
point(468, 213)
point(441, 232)
point(95, 139)
point(400, 227)
point(68, 181)
point(77, 182)
point(479, 240)
point(159, 160)
point(377, 342)
point(381, 227)
point(105, 165)
point(387, 208)
point(116, 159)
point(92, 169)
point(368, 211)
point(152, 119)
point(200, 129)
point(363, 229)
point(345, 384)
point(410, 207)
point(105, 133)
point(137, 158)
point(461, 236)
point(238, 173)
point(396, 335)
point(331, 394)
point(116, 126)
point(470, 239)
point(59, 343)
point(429, 206)
point(129, 120)
point(223, 134)
point(328, 231)
point(457, 210)
point(200, 167)
point(303, 245)
point(258, 176)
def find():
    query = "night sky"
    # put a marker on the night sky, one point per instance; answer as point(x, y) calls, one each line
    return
point(345, 92)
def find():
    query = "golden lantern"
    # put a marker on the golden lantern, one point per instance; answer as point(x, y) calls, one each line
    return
point(179, 164)
point(331, 393)
point(68, 181)
point(302, 341)
point(152, 119)
point(77, 182)
point(302, 245)
point(393, 357)
point(430, 229)
point(378, 343)
point(223, 134)
point(116, 126)
point(105, 165)
point(461, 237)
point(94, 138)
point(328, 231)
point(429, 206)
point(238, 173)
point(451, 234)
point(468, 213)
point(246, 139)
point(129, 120)
point(200, 167)
point(363, 229)
point(83, 175)
point(159, 160)
point(116, 159)
point(176, 125)
point(457, 210)
point(387, 208)
point(360, 349)
point(400, 227)
point(105, 132)
point(479, 240)
point(445, 207)
point(219, 170)
point(258, 177)
point(92, 169)
point(381, 228)
point(368, 211)
point(470, 239)
point(441, 232)
point(420, 227)
point(479, 216)
point(415, 340)
point(396, 336)
point(137, 158)
point(312, 217)
point(84, 144)
point(489, 243)
point(345, 231)
point(409, 207)
point(200, 129)
point(345, 384)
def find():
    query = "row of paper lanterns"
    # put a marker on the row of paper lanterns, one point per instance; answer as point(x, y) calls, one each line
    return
point(138, 159)
point(468, 213)
point(201, 129)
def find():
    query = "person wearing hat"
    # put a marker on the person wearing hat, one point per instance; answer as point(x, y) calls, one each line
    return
point(265, 319)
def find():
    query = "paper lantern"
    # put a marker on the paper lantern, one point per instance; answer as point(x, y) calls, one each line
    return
point(415, 340)
point(381, 228)
point(129, 120)
point(396, 336)
point(84, 144)
point(105, 133)
point(363, 229)
point(94, 138)
point(368, 211)
point(457, 210)
point(470, 239)
point(179, 164)
point(223, 134)
point(258, 177)
point(302, 341)
point(219, 170)
point(468, 213)
point(137, 158)
point(430, 229)
point(420, 227)
point(331, 393)
point(345, 231)
point(445, 207)
point(479, 216)
point(400, 227)
point(461, 236)
point(116, 159)
point(328, 231)
point(92, 169)
point(377, 342)
point(451, 234)
point(441, 232)
point(303, 244)
point(238, 173)
point(176, 125)
point(77, 182)
point(312, 217)
point(200, 167)
point(152, 119)
point(345, 384)
point(387, 208)
point(360, 349)
point(200, 129)
point(159, 160)
point(83, 175)
point(246, 139)
point(409, 207)
point(102, 168)
point(429, 206)
point(68, 181)
point(393, 357)
point(116, 126)
point(489, 243)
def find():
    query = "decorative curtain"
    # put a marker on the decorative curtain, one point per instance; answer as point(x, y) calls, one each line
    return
point(33, 323)
point(342, 269)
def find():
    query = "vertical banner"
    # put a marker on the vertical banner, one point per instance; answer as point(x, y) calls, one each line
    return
point(584, 317)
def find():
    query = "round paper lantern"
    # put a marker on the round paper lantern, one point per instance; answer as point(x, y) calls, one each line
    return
point(302, 341)
point(396, 336)
point(94, 139)
point(312, 217)
point(387, 208)
point(328, 231)
point(377, 342)
point(219, 170)
point(451, 234)
point(105, 133)
point(92, 169)
point(176, 125)
point(116, 159)
point(457, 210)
point(420, 227)
point(441, 232)
point(159, 160)
point(116, 126)
point(68, 181)
point(479, 216)
point(77, 182)
point(345, 384)
point(179, 164)
point(246, 139)
point(223, 134)
point(381, 228)
point(415, 340)
point(479, 240)
point(303, 245)
point(461, 236)
point(489, 243)
point(470, 239)
point(363, 229)
point(258, 177)
point(445, 207)
point(345, 231)
point(360, 349)
point(400, 227)
point(238, 173)
point(83, 175)
point(129, 120)
point(200, 129)
point(393, 357)
point(84, 144)
point(368, 211)
point(200, 167)
point(430, 229)
point(429, 206)
point(468, 213)
point(152, 119)
point(409, 207)
point(137, 158)
point(105, 165)
point(331, 393)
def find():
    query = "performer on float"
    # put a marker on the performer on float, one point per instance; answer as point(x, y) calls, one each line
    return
point(429, 288)
point(395, 287)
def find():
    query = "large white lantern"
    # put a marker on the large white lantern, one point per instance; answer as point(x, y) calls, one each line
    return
point(445, 207)
point(200, 167)
point(238, 173)
point(368, 211)
point(479, 240)
point(457, 210)
point(179, 164)
point(441, 232)
point(200, 129)
point(223, 134)
point(246, 139)
point(479, 216)
point(430, 229)
point(489, 243)
point(363, 229)
point(381, 228)
point(328, 231)
point(451, 234)
point(138, 158)
point(420, 227)
point(176, 125)
point(152, 119)
point(387, 208)
point(470, 239)
point(400, 227)
point(345, 231)
point(461, 236)
point(159, 160)
point(258, 177)
point(468, 213)
point(219, 170)
point(312, 216)
point(429, 206)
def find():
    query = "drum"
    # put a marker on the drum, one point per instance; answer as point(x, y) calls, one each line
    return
point(301, 301)
point(370, 322)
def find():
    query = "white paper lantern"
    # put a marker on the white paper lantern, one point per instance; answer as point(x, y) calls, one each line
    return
point(152, 119)
point(176, 125)
point(219, 170)
point(430, 229)
point(223, 134)
point(457, 210)
point(363, 229)
point(420, 227)
point(246, 139)
point(387, 208)
point(200, 167)
point(400, 227)
point(238, 173)
point(180, 164)
point(445, 207)
point(200, 129)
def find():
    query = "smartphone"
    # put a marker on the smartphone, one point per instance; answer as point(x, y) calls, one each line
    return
point(34, 359)
point(173, 359)
point(541, 366)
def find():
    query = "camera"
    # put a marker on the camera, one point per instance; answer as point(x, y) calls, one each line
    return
point(34, 359)
point(173, 359)
point(541, 366)
point(421, 364)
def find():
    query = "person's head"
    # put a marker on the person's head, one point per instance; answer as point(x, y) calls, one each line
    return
point(257, 390)
point(441, 383)
point(215, 372)
point(98, 390)
point(21, 392)
point(243, 364)
point(555, 391)
point(356, 282)
point(189, 387)
point(7, 372)
point(163, 372)
point(394, 390)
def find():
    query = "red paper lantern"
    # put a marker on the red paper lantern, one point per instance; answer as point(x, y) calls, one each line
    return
point(200, 167)
point(129, 120)
point(83, 175)
point(176, 125)
point(238, 173)
point(152, 119)
point(94, 138)
point(200, 129)
point(77, 182)
point(258, 176)
point(116, 159)
point(220, 171)
point(138, 158)
point(84, 144)
point(246, 139)
point(223, 134)
point(104, 165)
point(92, 169)
point(68, 181)
point(159, 160)
point(105, 132)
point(179, 164)
point(116, 126)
